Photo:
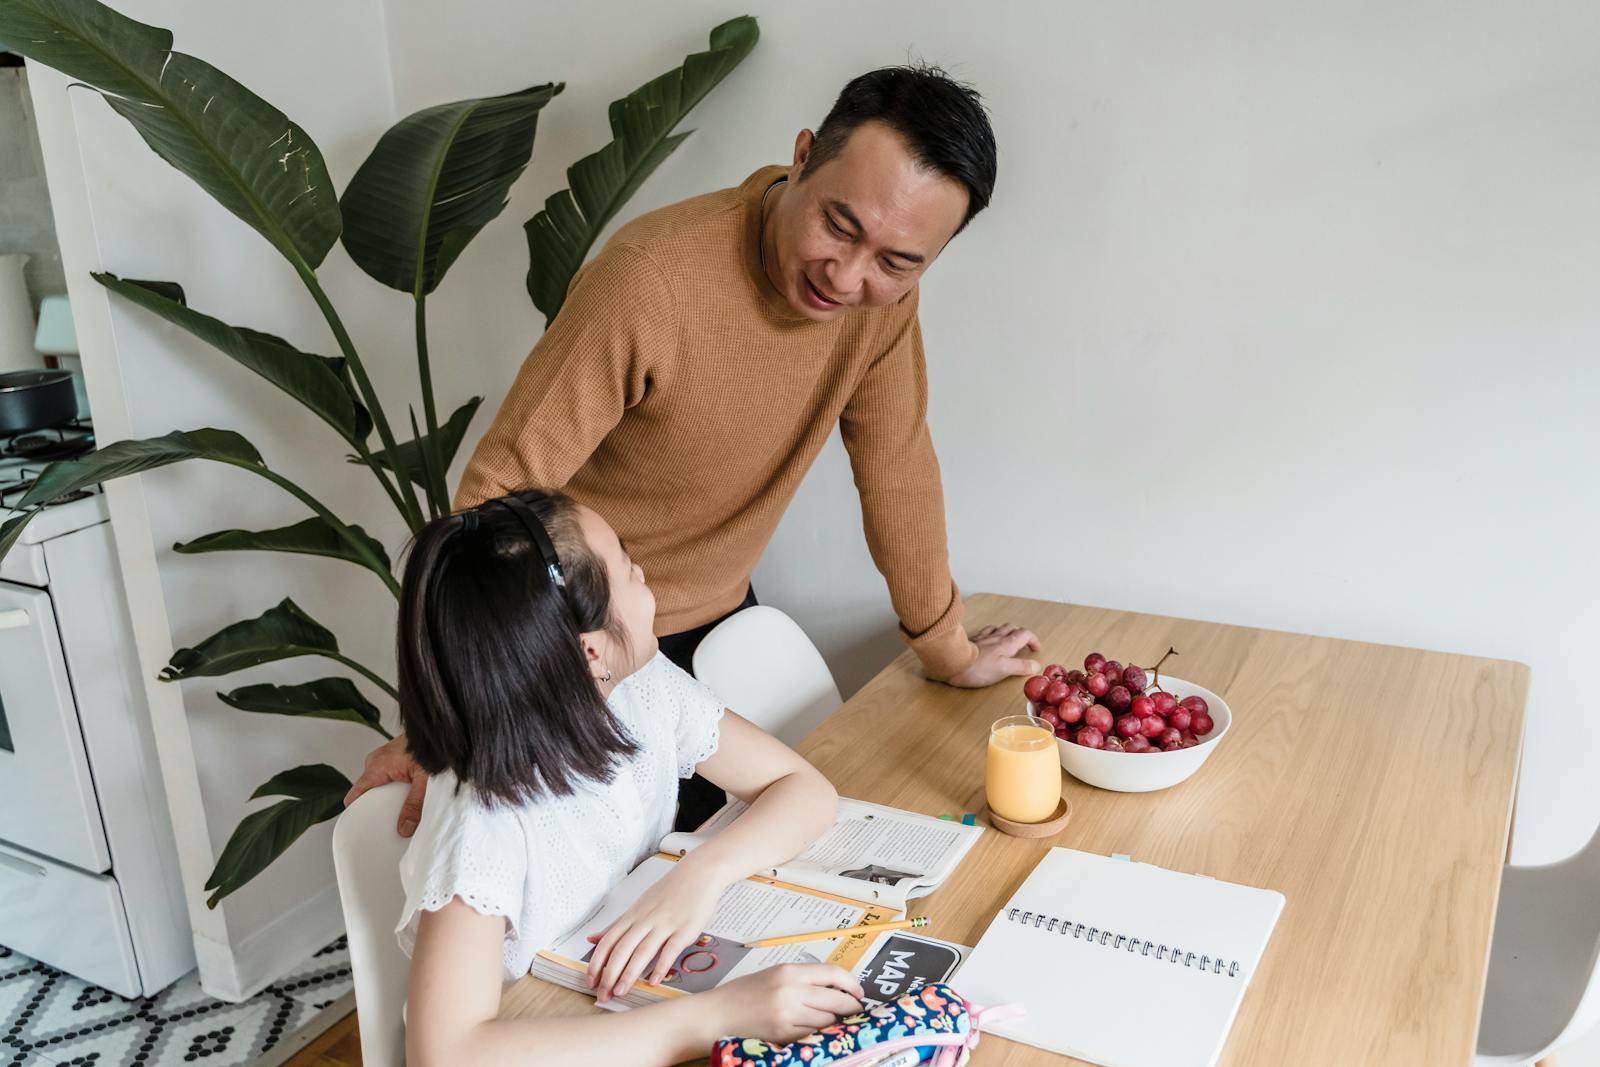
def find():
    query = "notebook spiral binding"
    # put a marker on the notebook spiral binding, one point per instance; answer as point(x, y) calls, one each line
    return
point(1082, 932)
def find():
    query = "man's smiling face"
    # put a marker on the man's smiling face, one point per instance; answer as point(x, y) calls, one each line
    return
point(859, 230)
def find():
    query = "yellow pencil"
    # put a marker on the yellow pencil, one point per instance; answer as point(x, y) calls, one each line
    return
point(849, 931)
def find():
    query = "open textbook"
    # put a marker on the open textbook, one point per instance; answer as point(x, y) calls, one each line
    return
point(871, 852)
point(878, 858)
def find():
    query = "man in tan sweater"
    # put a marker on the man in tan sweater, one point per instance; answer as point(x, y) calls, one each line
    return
point(703, 357)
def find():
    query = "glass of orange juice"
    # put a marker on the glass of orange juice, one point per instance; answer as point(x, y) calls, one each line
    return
point(1024, 775)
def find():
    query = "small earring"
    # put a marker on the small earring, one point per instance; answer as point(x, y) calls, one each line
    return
point(606, 677)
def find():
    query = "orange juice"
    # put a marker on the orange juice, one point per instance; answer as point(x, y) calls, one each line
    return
point(1024, 776)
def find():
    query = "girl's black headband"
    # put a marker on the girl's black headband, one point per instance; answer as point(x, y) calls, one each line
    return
point(530, 522)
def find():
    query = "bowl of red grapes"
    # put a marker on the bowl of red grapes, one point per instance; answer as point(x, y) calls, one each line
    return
point(1107, 713)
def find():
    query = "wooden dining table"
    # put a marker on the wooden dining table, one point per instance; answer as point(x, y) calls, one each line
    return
point(1372, 786)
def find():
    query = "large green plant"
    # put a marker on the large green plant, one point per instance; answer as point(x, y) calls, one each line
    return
point(430, 184)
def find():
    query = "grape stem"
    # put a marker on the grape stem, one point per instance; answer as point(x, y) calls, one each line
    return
point(1155, 671)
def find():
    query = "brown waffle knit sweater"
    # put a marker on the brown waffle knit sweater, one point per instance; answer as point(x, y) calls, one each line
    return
point(678, 395)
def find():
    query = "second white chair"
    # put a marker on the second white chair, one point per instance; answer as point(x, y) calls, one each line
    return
point(366, 862)
point(764, 667)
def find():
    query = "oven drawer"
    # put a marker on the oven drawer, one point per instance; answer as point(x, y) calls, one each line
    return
point(68, 919)
point(47, 800)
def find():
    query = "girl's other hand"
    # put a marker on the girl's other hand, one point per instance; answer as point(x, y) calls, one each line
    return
point(787, 1002)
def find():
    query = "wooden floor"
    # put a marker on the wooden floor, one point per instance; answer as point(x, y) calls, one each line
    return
point(340, 1046)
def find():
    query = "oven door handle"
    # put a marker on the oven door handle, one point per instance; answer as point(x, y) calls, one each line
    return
point(15, 619)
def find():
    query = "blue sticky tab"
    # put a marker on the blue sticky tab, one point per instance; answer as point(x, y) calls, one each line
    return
point(969, 819)
point(1121, 856)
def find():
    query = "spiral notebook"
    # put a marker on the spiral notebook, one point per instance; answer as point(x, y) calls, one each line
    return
point(1119, 963)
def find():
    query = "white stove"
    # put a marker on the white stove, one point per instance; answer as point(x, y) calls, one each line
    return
point(89, 878)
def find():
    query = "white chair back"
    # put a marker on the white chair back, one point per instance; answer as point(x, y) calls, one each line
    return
point(1543, 990)
point(764, 667)
point(366, 861)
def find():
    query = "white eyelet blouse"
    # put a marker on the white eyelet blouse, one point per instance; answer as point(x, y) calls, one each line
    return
point(545, 865)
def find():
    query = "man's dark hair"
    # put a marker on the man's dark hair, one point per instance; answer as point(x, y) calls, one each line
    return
point(942, 120)
point(494, 684)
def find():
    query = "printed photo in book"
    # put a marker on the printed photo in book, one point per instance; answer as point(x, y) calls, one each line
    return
point(871, 852)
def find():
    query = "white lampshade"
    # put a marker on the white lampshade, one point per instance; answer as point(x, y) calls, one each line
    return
point(55, 336)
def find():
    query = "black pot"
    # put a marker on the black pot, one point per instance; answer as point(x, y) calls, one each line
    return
point(36, 399)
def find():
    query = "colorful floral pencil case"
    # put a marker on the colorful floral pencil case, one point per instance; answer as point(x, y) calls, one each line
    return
point(934, 1020)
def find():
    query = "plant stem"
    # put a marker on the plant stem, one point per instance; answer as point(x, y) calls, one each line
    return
point(430, 418)
point(358, 546)
point(364, 672)
point(366, 457)
point(412, 510)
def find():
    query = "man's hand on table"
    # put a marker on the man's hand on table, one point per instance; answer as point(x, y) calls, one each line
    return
point(391, 762)
point(997, 657)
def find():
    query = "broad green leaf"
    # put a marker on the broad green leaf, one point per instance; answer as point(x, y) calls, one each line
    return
point(262, 836)
point(11, 531)
point(132, 457)
point(312, 537)
point(450, 435)
point(435, 179)
point(325, 698)
point(283, 632)
point(560, 236)
point(240, 149)
point(306, 782)
point(315, 381)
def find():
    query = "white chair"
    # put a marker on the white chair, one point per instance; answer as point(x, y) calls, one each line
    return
point(366, 861)
point(1543, 992)
point(764, 667)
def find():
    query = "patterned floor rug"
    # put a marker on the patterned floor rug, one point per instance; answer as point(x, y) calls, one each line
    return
point(49, 1018)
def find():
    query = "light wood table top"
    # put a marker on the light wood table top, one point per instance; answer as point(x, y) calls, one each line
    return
point(1372, 786)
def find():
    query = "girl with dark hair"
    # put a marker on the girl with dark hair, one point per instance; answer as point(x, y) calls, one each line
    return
point(555, 735)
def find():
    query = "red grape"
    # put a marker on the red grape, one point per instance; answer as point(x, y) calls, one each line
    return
point(1034, 688)
point(1179, 717)
point(1171, 737)
point(1137, 743)
point(1098, 718)
point(1097, 683)
point(1094, 661)
point(1070, 713)
point(1113, 671)
point(1134, 677)
point(1201, 723)
point(1128, 725)
point(1154, 726)
point(1143, 707)
point(1055, 671)
point(1089, 737)
point(1173, 747)
point(1165, 702)
point(1119, 698)
point(1113, 744)
point(1195, 704)
point(1049, 715)
point(1056, 692)
point(1189, 742)
point(1074, 675)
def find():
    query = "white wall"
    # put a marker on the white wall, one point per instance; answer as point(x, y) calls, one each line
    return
point(1282, 316)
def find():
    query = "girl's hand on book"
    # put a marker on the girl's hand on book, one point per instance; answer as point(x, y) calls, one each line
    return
point(787, 1002)
point(663, 922)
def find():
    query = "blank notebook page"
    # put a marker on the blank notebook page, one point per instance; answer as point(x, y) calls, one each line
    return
point(1123, 964)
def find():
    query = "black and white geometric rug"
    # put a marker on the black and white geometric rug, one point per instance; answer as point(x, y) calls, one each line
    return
point(49, 1018)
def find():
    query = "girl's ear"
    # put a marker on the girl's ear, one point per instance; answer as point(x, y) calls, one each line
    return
point(594, 653)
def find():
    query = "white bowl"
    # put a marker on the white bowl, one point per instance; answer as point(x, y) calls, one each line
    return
point(1144, 772)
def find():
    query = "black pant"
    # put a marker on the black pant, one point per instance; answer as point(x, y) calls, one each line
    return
point(698, 799)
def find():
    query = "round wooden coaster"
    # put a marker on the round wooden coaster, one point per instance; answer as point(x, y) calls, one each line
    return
point(1049, 828)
